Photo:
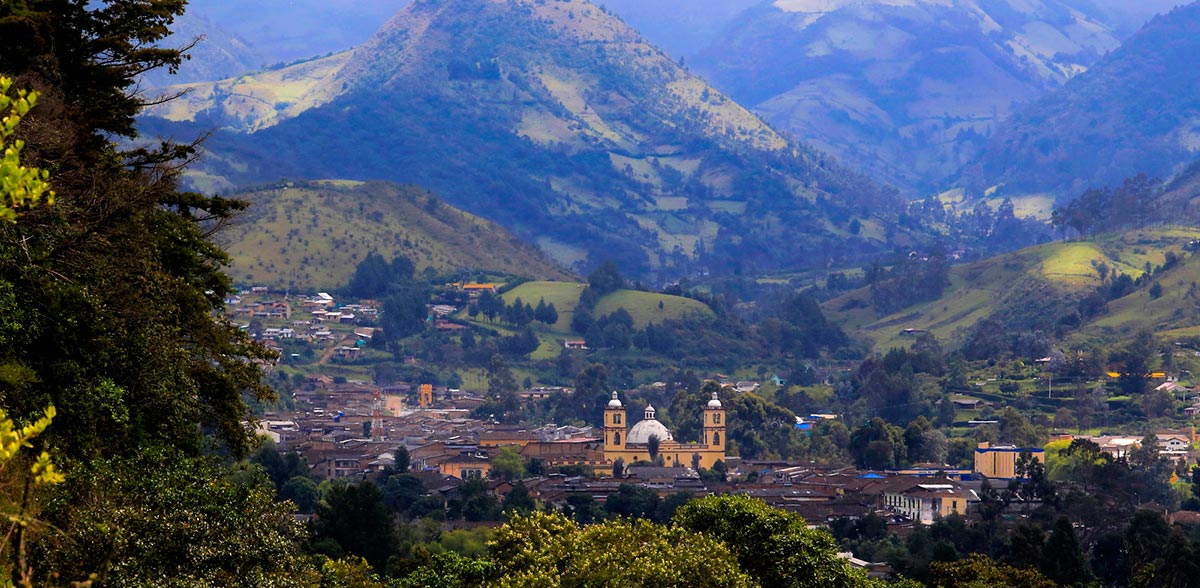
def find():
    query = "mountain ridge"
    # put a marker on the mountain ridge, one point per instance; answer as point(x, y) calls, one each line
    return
point(562, 123)
point(907, 91)
point(1136, 111)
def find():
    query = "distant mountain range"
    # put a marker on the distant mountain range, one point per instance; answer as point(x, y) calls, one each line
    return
point(557, 120)
point(908, 91)
point(1135, 111)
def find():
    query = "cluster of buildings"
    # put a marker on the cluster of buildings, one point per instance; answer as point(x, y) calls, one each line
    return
point(357, 431)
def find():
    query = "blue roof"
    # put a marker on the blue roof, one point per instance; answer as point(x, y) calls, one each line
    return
point(871, 477)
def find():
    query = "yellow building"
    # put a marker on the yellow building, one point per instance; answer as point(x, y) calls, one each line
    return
point(1001, 461)
point(632, 443)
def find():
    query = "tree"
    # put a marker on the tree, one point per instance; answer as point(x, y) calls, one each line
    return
point(122, 256)
point(401, 491)
point(21, 523)
point(776, 548)
point(163, 514)
point(356, 519)
point(652, 445)
point(404, 311)
point(518, 500)
point(508, 464)
point(1135, 358)
point(632, 501)
point(977, 571)
point(303, 492)
point(1064, 562)
point(502, 386)
point(605, 279)
point(551, 551)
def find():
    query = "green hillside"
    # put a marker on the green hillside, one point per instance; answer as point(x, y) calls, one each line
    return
point(642, 306)
point(313, 234)
point(1039, 284)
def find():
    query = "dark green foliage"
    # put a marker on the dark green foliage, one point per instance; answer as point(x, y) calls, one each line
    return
point(110, 291)
point(137, 521)
point(911, 280)
point(356, 519)
point(632, 501)
point(1135, 360)
point(605, 279)
point(404, 312)
point(801, 328)
point(1064, 561)
point(1130, 205)
point(303, 492)
point(374, 276)
point(401, 491)
point(518, 500)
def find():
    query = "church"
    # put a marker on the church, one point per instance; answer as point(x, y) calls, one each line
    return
point(633, 443)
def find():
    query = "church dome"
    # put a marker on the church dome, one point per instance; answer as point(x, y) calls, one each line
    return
point(715, 402)
point(641, 432)
point(615, 402)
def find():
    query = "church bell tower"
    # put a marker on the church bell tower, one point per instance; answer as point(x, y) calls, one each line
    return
point(614, 425)
point(714, 424)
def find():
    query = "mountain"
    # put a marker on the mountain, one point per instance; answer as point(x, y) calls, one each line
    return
point(680, 33)
point(284, 31)
point(217, 52)
point(907, 90)
point(558, 121)
point(312, 235)
point(1136, 111)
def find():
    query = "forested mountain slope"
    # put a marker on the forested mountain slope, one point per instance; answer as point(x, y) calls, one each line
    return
point(1136, 111)
point(907, 91)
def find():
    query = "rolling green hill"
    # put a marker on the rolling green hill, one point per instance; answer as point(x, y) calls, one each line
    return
point(642, 306)
point(560, 122)
point(313, 234)
point(1039, 286)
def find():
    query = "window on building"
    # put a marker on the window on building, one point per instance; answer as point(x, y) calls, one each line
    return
point(716, 418)
point(716, 438)
point(616, 438)
point(617, 418)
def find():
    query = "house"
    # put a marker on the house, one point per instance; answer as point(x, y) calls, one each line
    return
point(1170, 387)
point(966, 402)
point(1000, 461)
point(346, 352)
point(926, 502)
point(364, 332)
point(575, 344)
point(467, 466)
point(475, 289)
point(744, 387)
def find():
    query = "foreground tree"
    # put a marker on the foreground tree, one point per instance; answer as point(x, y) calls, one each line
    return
point(546, 550)
point(774, 547)
point(108, 296)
